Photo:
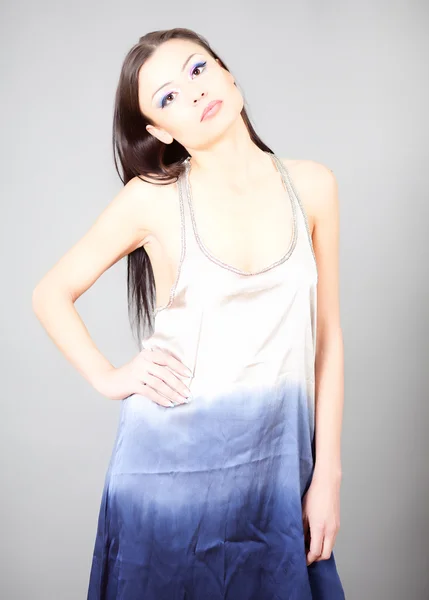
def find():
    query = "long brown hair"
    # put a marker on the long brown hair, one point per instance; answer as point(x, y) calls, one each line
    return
point(141, 154)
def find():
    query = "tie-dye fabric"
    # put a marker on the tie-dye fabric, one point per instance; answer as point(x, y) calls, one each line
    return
point(202, 501)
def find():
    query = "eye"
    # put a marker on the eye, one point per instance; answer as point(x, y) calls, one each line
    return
point(198, 67)
point(163, 101)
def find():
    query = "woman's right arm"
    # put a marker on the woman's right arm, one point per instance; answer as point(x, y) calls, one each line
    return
point(121, 228)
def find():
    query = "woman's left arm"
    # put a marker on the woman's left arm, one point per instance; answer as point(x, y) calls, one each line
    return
point(321, 505)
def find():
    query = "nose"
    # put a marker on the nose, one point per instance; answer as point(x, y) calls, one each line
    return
point(201, 95)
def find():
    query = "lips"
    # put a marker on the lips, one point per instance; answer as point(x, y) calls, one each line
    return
point(209, 106)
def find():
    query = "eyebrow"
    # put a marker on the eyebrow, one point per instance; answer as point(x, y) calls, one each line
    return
point(183, 67)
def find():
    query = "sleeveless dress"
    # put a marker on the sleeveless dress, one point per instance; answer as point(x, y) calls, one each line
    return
point(202, 501)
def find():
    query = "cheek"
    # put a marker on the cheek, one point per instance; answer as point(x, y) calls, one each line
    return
point(178, 121)
point(223, 80)
point(227, 90)
point(180, 118)
point(171, 117)
point(230, 92)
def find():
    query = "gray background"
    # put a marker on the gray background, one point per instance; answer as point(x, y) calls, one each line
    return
point(341, 83)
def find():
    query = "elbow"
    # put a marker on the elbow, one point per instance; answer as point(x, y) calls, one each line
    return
point(330, 337)
point(42, 293)
point(38, 297)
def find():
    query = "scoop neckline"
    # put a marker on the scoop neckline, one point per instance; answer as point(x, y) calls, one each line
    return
point(282, 170)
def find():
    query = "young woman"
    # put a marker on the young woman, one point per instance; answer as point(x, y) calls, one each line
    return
point(224, 479)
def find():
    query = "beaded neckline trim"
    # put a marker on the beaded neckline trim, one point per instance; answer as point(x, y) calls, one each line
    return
point(181, 259)
point(283, 172)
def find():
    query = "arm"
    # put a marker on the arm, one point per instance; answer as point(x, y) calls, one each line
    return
point(317, 187)
point(329, 363)
point(119, 230)
point(321, 503)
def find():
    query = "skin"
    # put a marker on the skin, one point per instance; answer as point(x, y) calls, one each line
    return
point(241, 214)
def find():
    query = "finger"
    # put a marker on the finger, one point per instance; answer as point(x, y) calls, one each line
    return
point(164, 357)
point(169, 378)
point(148, 392)
point(162, 388)
point(316, 542)
point(328, 545)
point(165, 390)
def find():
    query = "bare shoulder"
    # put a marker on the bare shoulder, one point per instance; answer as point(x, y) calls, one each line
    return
point(124, 225)
point(148, 205)
point(315, 185)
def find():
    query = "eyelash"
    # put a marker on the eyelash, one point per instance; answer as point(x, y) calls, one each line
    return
point(197, 66)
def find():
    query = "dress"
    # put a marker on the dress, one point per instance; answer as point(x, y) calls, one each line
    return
point(202, 501)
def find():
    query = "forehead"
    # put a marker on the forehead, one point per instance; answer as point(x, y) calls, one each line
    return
point(165, 65)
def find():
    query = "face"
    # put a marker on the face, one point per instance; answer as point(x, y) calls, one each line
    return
point(175, 85)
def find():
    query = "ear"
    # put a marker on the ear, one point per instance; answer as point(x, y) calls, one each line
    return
point(159, 134)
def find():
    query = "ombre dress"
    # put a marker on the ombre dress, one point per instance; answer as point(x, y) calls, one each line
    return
point(202, 501)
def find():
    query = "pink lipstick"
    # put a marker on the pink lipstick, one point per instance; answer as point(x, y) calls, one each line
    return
point(211, 109)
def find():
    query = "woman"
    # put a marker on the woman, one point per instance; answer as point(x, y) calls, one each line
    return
point(213, 489)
